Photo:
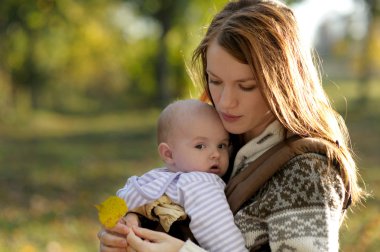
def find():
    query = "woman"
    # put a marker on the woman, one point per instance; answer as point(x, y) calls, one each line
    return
point(265, 87)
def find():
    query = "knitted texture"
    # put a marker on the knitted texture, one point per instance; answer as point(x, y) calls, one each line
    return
point(298, 209)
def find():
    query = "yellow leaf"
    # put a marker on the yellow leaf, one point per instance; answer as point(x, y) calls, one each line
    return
point(111, 210)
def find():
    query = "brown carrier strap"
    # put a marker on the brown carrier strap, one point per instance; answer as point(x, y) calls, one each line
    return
point(243, 186)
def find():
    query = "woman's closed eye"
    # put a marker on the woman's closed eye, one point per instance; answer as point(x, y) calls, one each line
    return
point(247, 88)
point(214, 82)
point(248, 85)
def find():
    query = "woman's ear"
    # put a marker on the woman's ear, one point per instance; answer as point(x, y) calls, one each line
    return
point(165, 153)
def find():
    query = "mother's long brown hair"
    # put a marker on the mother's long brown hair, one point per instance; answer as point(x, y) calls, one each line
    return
point(264, 35)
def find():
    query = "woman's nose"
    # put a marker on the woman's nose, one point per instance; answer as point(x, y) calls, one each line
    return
point(227, 98)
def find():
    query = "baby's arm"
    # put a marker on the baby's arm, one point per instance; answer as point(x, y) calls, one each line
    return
point(145, 196)
point(212, 221)
point(163, 210)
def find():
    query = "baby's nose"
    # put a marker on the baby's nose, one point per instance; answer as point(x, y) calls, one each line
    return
point(215, 153)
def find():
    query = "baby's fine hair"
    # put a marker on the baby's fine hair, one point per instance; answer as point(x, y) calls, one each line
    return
point(169, 118)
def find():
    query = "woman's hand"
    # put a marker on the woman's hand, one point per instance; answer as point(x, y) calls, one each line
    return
point(144, 240)
point(114, 239)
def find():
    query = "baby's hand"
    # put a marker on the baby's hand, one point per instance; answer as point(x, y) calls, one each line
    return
point(131, 219)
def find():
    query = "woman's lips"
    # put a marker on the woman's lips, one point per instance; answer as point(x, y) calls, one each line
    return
point(229, 118)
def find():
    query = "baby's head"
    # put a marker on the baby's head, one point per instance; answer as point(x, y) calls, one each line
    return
point(191, 137)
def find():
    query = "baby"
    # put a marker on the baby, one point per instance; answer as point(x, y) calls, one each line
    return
point(195, 149)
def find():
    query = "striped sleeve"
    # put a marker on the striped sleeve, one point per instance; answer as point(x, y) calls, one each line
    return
point(212, 221)
point(131, 195)
point(142, 190)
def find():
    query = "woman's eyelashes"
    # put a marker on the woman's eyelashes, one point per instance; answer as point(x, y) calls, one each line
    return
point(243, 86)
point(246, 87)
point(214, 82)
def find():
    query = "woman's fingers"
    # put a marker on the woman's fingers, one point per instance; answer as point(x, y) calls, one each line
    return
point(104, 248)
point(113, 239)
point(142, 239)
point(130, 249)
point(147, 234)
point(134, 241)
point(120, 228)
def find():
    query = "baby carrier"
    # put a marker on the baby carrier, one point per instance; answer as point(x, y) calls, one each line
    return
point(245, 185)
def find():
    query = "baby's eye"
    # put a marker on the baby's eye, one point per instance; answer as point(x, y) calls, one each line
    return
point(222, 146)
point(200, 146)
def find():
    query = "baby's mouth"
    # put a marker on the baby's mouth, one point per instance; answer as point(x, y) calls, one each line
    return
point(214, 169)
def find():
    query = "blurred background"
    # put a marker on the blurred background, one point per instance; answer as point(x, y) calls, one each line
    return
point(82, 83)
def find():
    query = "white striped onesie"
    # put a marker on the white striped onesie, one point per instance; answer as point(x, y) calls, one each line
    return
point(201, 195)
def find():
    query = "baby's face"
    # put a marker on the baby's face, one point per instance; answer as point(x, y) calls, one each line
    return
point(201, 144)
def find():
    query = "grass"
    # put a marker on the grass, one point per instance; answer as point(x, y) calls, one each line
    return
point(54, 169)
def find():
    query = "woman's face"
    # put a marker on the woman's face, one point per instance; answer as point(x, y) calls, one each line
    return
point(236, 94)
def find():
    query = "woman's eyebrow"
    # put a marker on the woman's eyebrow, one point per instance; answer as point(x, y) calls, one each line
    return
point(211, 73)
point(239, 80)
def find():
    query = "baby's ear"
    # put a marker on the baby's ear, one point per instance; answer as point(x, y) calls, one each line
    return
point(165, 153)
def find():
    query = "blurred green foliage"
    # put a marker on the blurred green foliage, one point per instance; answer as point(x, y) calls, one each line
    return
point(91, 56)
point(84, 56)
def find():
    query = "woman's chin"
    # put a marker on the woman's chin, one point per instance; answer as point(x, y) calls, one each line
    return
point(233, 130)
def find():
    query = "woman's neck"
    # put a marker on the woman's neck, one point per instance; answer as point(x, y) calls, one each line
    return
point(248, 136)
